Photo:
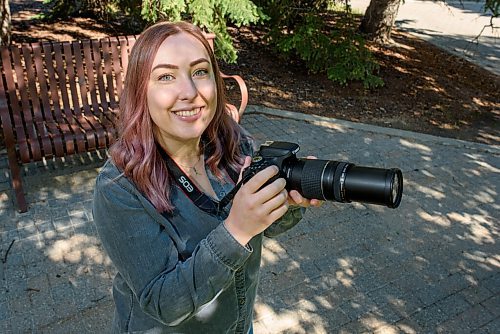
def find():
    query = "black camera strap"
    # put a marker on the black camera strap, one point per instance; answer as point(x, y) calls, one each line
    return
point(198, 197)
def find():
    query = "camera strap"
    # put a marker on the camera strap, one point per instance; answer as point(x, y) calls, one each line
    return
point(198, 197)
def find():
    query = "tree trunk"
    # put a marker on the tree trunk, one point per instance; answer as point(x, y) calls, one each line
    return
point(5, 23)
point(379, 19)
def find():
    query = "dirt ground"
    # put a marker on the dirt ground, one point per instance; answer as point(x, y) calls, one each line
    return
point(426, 89)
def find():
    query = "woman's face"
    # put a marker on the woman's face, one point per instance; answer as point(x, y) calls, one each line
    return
point(182, 93)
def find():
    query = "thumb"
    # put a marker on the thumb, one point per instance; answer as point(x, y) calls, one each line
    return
point(248, 161)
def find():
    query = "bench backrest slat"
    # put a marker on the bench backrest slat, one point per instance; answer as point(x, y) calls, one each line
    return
point(54, 114)
point(108, 72)
point(44, 70)
point(34, 99)
point(61, 76)
point(42, 83)
point(80, 77)
point(29, 68)
point(98, 66)
point(117, 65)
point(21, 83)
point(14, 104)
point(89, 67)
point(92, 66)
point(33, 146)
point(83, 102)
point(124, 53)
point(53, 84)
point(72, 82)
point(5, 118)
point(74, 101)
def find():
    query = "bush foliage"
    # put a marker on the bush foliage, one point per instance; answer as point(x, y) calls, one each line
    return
point(335, 48)
point(301, 29)
point(212, 15)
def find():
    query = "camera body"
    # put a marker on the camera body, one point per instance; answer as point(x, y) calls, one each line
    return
point(272, 153)
point(327, 179)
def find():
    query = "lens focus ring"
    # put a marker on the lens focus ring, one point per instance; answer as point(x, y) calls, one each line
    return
point(311, 180)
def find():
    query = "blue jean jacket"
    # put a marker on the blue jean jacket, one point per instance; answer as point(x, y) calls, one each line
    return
point(177, 273)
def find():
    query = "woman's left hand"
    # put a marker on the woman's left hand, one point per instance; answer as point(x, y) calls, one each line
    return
point(296, 199)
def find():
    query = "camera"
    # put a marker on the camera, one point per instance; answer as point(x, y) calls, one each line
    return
point(327, 179)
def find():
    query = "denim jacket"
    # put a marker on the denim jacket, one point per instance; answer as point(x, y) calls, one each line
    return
point(181, 272)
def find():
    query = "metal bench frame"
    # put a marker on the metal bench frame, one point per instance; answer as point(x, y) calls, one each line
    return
point(61, 98)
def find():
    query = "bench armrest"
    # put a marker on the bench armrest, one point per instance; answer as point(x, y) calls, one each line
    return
point(237, 113)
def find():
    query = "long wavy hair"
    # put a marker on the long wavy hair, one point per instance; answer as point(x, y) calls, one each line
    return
point(135, 151)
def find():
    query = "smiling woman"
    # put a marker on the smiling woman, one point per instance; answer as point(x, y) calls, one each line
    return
point(181, 267)
point(182, 96)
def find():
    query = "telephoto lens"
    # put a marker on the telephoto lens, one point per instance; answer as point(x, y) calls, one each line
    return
point(344, 182)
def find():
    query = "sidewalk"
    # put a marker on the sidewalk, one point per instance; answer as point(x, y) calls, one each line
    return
point(432, 265)
point(454, 27)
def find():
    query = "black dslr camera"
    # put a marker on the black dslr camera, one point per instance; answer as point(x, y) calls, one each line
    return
point(328, 179)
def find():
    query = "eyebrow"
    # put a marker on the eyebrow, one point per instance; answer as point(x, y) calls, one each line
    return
point(175, 67)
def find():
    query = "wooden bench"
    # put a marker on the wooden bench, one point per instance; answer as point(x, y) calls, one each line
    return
point(61, 98)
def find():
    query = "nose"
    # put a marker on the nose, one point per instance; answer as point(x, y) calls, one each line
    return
point(188, 90)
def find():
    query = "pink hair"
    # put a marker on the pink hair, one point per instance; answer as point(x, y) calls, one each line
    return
point(135, 151)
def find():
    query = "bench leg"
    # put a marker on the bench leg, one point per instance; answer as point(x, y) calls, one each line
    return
point(17, 182)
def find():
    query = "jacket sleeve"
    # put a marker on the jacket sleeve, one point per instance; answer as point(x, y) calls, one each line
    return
point(291, 218)
point(168, 289)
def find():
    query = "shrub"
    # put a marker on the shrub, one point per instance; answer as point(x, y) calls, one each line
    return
point(325, 40)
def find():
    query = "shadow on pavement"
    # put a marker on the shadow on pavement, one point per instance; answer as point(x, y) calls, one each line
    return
point(430, 265)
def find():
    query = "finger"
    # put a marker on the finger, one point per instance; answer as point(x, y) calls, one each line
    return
point(259, 179)
point(271, 190)
point(276, 201)
point(296, 197)
point(316, 202)
point(278, 212)
point(311, 157)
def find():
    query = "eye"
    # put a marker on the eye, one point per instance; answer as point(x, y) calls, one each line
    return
point(200, 72)
point(166, 77)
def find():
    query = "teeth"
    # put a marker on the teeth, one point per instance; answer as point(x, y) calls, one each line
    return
point(186, 113)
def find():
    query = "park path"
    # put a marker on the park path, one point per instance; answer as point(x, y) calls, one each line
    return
point(459, 27)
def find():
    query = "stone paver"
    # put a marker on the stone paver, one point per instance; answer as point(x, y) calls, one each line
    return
point(432, 265)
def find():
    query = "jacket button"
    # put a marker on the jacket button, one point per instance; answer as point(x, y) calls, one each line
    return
point(242, 301)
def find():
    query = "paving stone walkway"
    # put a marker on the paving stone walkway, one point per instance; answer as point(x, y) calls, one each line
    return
point(460, 27)
point(430, 266)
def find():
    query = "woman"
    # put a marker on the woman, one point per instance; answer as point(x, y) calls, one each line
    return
point(181, 268)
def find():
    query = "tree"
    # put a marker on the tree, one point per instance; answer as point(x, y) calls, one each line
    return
point(6, 24)
point(208, 14)
point(211, 15)
point(492, 6)
point(379, 19)
point(380, 15)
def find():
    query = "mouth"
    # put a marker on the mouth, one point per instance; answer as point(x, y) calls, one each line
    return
point(188, 113)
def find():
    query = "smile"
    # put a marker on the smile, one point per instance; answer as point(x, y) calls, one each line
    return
point(187, 113)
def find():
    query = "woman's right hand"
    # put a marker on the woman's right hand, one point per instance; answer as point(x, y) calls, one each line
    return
point(254, 210)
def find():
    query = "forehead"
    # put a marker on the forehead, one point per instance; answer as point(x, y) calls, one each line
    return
point(180, 48)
